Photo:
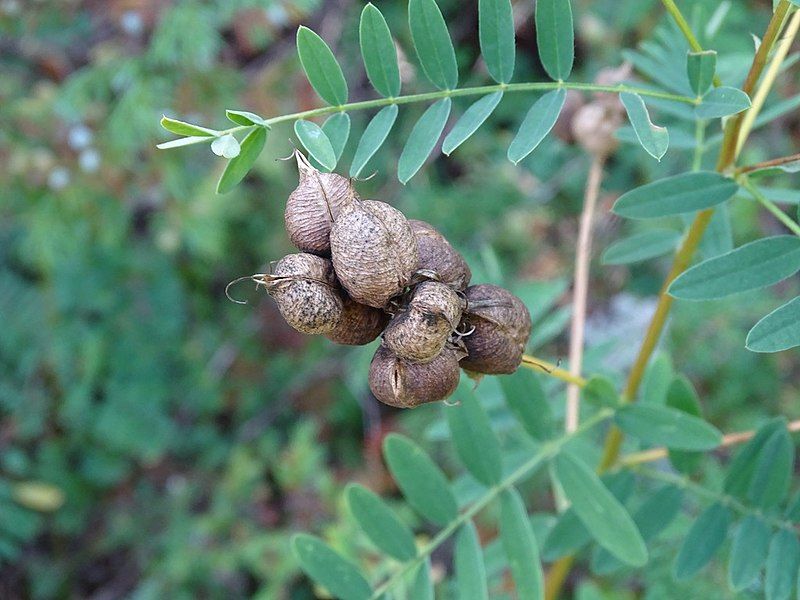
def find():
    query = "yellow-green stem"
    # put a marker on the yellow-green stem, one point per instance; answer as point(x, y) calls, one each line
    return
point(542, 366)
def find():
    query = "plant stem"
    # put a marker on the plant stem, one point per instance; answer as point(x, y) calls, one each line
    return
point(535, 364)
point(653, 454)
point(769, 205)
point(775, 162)
point(547, 451)
point(782, 49)
point(467, 91)
point(686, 30)
point(580, 289)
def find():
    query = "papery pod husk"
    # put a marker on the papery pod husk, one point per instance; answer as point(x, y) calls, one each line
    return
point(405, 384)
point(359, 325)
point(501, 326)
point(420, 332)
point(594, 127)
point(304, 288)
point(438, 259)
point(374, 251)
point(314, 205)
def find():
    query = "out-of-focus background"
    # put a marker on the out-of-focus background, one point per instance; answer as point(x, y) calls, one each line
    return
point(159, 441)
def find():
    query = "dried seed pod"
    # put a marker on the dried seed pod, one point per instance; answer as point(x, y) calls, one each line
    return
point(500, 324)
point(405, 384)
point(420, 332)
point(373, 250)
point(304, 287)
point(594, 126)
point(359, 325)
point(438, 257)
point(314, 205)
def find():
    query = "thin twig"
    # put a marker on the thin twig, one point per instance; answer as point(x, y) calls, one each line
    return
point(770, 205)
point(580, 289)
point(535, 364)
point(775, 162)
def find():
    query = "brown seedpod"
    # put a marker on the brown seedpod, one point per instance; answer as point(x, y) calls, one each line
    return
point(438, 259)
point(498, 326)
point(420, 332)
point(314, 205)
point(359, 325)
point(406, 384)
point(304, 287)
point(373, 250)
point(594, 126)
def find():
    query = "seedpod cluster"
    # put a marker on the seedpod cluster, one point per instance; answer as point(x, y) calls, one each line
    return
point(365, 271)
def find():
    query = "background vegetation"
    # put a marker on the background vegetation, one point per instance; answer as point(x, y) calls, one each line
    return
point(159, 441)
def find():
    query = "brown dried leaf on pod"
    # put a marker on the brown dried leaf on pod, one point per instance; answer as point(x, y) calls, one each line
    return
point(314, 205)
point(404, 384)
point(305, 290)
point(500, 325)
point(359, 325)
point(374, 251)
point(438, 259)
point(420, 332)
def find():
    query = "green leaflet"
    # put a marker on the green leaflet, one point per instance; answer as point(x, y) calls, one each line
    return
point(183, 128)
point(657, 380)
point(421, 586)
point(749, 267)
point(469, 567)
point(433, 44)
point(337, 128)
point(475, 442)
point(602, 392)
point(378, 52)
point(496, 31)
point(380, 523)
point(705, 537)
point(325, 566)
point(520, 547)
point(537, 124)
point(675, 195)
point(555, 37)
point(779, 330)
point(681, 395)
point(772, 473)
point(527, 401)
point(423, 138)
point(421, 481)
point(320, 66)
point(601, 513)
point(226, 146)
point(373, 138)
point(783, 561)
point(667, 427)
point(243, 117)
point(654, 139)
point(741, 468)
point(316, 142)
point(748, 552)
point(641, 246)
point(722, 102)
point(652, 517)
point(238, 167)
point(470, 121)
point(700, 67)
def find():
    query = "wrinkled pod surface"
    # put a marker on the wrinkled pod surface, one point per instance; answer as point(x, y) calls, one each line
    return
point(359, 325)
point(437, 258)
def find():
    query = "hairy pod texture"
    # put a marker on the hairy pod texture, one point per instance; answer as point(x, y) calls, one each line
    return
point(314, 205)
point(438, 259)
point(305, 290)
point(359, 325)
point(420, 332)
point(500, 324)
point(405, 384)
point(374, 251)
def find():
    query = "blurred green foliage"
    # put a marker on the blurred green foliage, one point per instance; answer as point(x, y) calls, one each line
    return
point(189, 436)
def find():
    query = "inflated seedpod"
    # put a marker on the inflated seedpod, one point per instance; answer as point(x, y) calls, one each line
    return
point(314, 205)
point(498, 326)
point(438, 259)
point(420, 332)
point(305, 290)
point(594, 126)
point(406, 384)
point(359, 325)
point(373, 250)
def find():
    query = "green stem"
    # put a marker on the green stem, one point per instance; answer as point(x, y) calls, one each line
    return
point(708, 494)
point(548, 450)
point(468, 91)
point(769, 205)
